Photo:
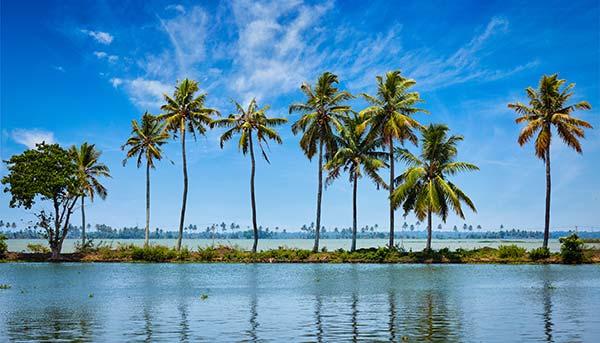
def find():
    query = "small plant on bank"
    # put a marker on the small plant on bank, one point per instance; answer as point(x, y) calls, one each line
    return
point(5, 286)
point(539, 254)
point(511, 251)
point(571, 249)
point(38, 248)
point(3, 246)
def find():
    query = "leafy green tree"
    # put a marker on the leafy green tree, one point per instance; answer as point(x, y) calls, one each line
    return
point(46, 173)
point(547, 109)
point(357, 154)
point(185, 112)
point(145, 142)
point(390, 118)
point(89, 170)
point(424, 187)
point(320, 119)
point(248, 122)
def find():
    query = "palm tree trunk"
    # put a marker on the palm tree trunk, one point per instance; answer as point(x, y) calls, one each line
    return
point(185, 189)
point(354, 214)
point(252, 199)
point(147, 235)
point(428, 246)
point(319, 196)
point(548, 189)
point(82, 222)
point(391, 144)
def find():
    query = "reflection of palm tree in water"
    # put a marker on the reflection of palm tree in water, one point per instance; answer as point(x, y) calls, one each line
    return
point(546, 293)
point(147, 324)
point(253, 289)
point(184, 326)
point(354, 317)
point(392, 322)
point(318, 320)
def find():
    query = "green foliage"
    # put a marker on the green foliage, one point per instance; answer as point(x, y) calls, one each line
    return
point(3, 246)
point(540, 253)
point(511, 251)
point(154, 253)
point(571, 249)
point(5, 286)
point(38, 248)
point(48, 171)
point(146, 140)
point(89, 169)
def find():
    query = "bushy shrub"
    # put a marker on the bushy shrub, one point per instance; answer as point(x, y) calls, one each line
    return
point(539, 254)
point(511, 251)
point(153, 253)
point(571, 249)
point(38, 248)
point(3, 246)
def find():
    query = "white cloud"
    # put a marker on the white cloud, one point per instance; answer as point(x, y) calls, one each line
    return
point(31, 137)
point(116, 82)
point(100, 54)
point(59, 68)
point(113, 58)
point(176, 7)
point(103, 55)
point(101, 37)
point(144, 93)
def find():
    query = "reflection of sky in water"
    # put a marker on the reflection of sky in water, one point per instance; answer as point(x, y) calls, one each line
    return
point(308, 302)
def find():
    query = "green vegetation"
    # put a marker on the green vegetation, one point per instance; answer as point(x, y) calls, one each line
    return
point(321, 115)
point(5, 286)
point(547, 108)
point(246, 123)
point(540, 253)
point(3, 246)
point(424, 187)
point(89, 169)
point(145, 142)
point(389, 115)
point(38, 248)
point(185, 112)
point(571, 249)
point(511, 251)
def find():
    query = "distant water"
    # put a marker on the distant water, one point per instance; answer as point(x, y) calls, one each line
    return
point(330, 244)
point(299, 302)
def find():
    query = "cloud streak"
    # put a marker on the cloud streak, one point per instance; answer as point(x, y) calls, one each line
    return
point(99, 36)
point(31, 137)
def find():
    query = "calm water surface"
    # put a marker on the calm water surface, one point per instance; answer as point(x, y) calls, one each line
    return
point(331, 244)
point(299, 302)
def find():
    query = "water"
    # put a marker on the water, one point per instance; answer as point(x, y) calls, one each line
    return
point(299, 302)
point(330, 244)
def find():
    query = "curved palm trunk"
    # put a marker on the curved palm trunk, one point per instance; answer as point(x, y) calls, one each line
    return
point(82, 222)
point(319, 196)
point(548, 189)
point(391, 144)
point(252, 199)
point(147, 235)
point(428, 246)
point(354, 214)
point(185, 190)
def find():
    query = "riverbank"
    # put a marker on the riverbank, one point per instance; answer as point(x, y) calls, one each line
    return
point(508, 254)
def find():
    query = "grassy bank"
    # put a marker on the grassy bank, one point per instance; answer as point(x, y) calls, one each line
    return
point(509, 254)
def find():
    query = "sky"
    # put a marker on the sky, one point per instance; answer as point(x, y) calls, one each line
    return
point(74, 71)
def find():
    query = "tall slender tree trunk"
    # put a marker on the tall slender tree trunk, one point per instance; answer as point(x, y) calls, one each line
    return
point(319, 196)
point(55, 248)
point(391, 145)
point(252, 198)
point(354, 214)
point(548, 191)
point(185, 190)
point(147, 235)
point(428, 246)
point(82, 222)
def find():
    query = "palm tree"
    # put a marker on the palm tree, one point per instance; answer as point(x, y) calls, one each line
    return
point(245, 123)
point(145, 143)
point(390, 117)
point(547, 108)
point(185, 112)
point(321, 115)
point(424, 187)
point(356, 154)
point(89, 170)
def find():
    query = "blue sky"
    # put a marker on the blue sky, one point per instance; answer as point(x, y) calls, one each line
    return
point(75, 71)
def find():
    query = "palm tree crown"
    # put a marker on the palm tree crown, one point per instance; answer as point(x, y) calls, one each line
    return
point(90, 169)
point(547, 108)
point(246, 121)
point(146, 140)
point(321, 114)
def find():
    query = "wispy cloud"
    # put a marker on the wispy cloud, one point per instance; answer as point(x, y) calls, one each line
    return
point(146, 94)
point(59, 68)
point(100, 37)
point(31, 137)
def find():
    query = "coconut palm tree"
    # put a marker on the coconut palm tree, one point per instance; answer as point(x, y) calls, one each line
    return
point(424, 187)
point(390, 118)
point(321, 115)
point(185, 112)
point(90, 169)
point(145, 143)
point(548, 108)
point(248, 122)
point(357, 154)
